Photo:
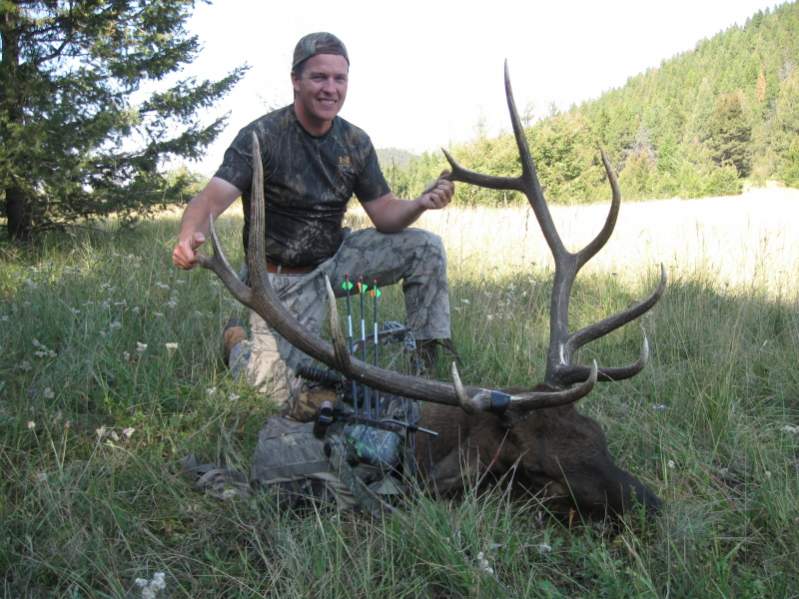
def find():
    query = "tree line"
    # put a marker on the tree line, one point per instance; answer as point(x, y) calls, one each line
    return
point(92, 106)
point(701, 123)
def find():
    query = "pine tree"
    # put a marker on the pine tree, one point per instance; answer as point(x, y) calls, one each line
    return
point(730, 133)
point(74, 145)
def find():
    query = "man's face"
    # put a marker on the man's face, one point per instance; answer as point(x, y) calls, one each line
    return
point(320, 91)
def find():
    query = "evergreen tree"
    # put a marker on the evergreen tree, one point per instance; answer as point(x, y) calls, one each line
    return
point(694, 126)
point(73, 143)
point(729, 134)
point(785, 131)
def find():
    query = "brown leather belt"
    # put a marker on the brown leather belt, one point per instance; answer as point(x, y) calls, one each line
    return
point(287, 270)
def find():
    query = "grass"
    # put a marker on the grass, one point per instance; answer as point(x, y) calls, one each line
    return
point(93, 425)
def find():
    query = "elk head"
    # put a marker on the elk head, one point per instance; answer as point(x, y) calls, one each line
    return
point(538, 433)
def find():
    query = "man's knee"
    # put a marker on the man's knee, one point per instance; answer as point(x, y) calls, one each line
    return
point(427, 240)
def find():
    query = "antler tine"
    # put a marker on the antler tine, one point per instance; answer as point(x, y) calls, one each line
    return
point(256, 243)
point(611, 323)
point(474, 178)
point(339, 343)
point(613, 373)
point(533, 191)
point(218, 263)
point(535, 401)
point(590, 250)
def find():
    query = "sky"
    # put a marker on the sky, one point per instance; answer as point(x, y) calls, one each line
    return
point(424, 75)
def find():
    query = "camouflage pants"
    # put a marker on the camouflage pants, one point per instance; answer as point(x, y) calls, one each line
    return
point(413, 256)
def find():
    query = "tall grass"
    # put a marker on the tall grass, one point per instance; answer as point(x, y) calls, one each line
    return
point(93, 424)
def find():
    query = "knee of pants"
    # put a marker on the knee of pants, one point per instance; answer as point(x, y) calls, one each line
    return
point(430, 245)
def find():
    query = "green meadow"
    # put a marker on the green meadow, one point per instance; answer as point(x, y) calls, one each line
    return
point(111, 373)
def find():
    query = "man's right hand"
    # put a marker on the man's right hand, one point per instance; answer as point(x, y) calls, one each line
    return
point(184, 255)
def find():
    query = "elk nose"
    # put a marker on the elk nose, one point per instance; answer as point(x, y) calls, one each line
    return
point(651, 502)
point(634, 492)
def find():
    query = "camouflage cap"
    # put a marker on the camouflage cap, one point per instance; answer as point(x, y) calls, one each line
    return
point(320, 42)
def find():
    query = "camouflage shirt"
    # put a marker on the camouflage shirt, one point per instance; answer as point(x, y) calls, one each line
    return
point(307, 183)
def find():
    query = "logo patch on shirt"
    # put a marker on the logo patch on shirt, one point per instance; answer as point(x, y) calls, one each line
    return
point(344, 162)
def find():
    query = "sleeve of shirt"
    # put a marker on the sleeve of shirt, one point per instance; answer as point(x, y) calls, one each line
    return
point(236, 167)
point(371, 184)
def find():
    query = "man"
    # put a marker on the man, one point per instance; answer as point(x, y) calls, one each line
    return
point(314, 161)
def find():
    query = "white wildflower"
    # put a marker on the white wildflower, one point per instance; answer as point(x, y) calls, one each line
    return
point(113, 435)
point(150, 588)
point(31, 425)
point(74, 311)
point(25, 366)
point(171, 347)
point(158, 581)
point(105, 305)
point(115, 325)
point(141, 347)
point(161, 285)
point(158, 314)
point(126, 356)
point(51, 353)
point(38, 344)
point(483, 564)
point(40, 354)
point(671, 464)
point(210, 391)
point(788, 428)
point(4, 318)
point(171, 304)
point(544, 548)
point(490, 317)
point(104, 286)
point(180, 282)
point(232, 397)
point(465, 301)
point(48, 393)
point(128, 432)
point(198, 313)
point(121, 304)
point(100, 432)
point(659, 407)
point(136, 309)
point(41, 477)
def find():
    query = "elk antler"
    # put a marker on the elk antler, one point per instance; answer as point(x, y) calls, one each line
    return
point(263, 300)
point(560, 369)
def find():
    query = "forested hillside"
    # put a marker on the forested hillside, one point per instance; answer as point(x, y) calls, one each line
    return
point(700, 124)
